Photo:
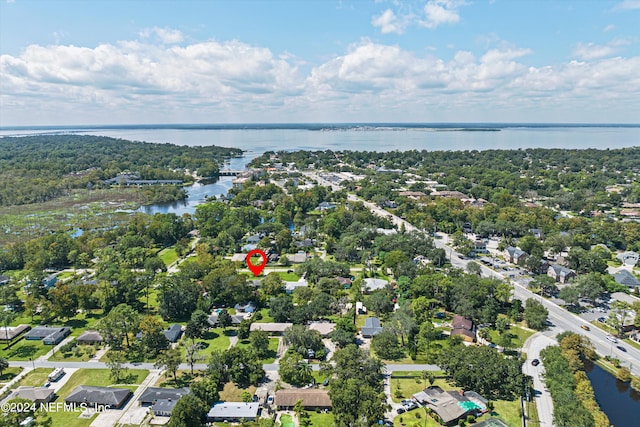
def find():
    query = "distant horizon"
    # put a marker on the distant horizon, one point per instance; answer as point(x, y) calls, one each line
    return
point(330, 61)
point(322, 125)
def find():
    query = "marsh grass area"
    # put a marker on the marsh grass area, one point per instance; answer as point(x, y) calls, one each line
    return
point(80, 209)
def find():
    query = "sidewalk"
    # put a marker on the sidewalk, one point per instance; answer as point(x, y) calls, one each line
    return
point(15, 379)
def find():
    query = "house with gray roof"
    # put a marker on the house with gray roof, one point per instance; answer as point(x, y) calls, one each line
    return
point(162, 400)
point(89, 337)
point(37, 395)
point(372, 327)
point(560, 274)
point(173, 333)
point(233, 412)
point(624, 277)
point(115, 398)
point(48, 335)
point(369, 284)
point(450, 406)
point(270, 328)
point(514, 255)
point(289, 287)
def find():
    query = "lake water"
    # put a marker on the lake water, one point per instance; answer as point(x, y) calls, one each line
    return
point(618, 400)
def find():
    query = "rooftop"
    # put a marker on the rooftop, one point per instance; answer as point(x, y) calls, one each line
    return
point(310, 397)
point(231, 410)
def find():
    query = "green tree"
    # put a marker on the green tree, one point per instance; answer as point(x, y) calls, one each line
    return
point(535, 314)
point(189, 412)
point(152, 335)
point(260, 342)
point(116, 366)
point(206, 390)
point(121, 321)
point(169, 360)
point(4, 364)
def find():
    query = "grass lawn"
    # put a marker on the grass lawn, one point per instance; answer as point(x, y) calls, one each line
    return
point(520, 335)
point(417, 418)
point(231, 393)
point(9, 373)
point(168, 256)
point(82, 353)
point(184, 378)
point(409, 383)
point(215, 339)
point(35, 378)
point(288, 277)
point(25, 350)
point(100, 377)
point(273, 349)
point(265, 316)
point(321, 419)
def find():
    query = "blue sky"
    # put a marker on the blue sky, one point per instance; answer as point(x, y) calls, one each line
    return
point(111, 62)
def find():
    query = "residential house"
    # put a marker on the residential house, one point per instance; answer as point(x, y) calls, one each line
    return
point(271, 328)
point(514, 255)
point(325, 328)
point(372, 327)
point(345, 282)
point(173, 333)
point(115, 398)
point(4, 280)
point(161, 400)
point(560, 274)
point(480, 247)
point(254, 239)
point(249, 307)
point(48, 335)
point(369, 285)
point(289, 287)
point(236, 319)
point(324, 206)
point(233, 412)
point(312, 399)
point(464, 328)
point(306, 243)
point(450, 406)
point(89, 337)
point(625, 277)
point(36, 395)
point(537, 233)
point(297, 258)
point(10, 332)
point(628, 258)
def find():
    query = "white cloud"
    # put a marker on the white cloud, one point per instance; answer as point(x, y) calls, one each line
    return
point(589, 51)
point(628, 5)
point(438, 12)
point(388, 22)
point(218, 81)
point(608, 28)
point(165, 35)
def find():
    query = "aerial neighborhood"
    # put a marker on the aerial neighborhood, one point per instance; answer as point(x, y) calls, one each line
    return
point(396, 289)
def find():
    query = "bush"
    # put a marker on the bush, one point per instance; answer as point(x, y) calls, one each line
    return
point(68, 347)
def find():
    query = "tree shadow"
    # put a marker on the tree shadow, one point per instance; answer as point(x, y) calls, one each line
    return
point(24, 352)
point(76, 323)
point(182, 380)
point(230, 332)
point(210, 335)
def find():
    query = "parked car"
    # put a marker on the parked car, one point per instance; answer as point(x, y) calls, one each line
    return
point(400, 410)
point(535, 362)
point(270, 400)
point(410, 406)
point(47, 384)
point(602, 319)
point(612, 338)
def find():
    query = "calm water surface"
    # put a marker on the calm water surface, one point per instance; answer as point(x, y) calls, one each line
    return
point(618, 400)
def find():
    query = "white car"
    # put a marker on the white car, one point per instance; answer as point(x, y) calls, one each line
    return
point(612, 338)
point(270, 400)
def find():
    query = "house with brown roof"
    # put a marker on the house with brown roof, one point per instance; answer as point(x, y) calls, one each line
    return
point(464, 328)
point(311, 399)
point(271, 328)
